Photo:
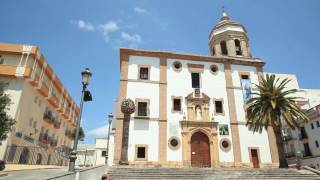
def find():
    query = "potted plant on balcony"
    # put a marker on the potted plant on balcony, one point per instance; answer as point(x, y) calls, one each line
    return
point(57, 123)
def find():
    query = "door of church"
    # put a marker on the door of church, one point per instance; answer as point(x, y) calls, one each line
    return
point(200, 150)
point(255, 159)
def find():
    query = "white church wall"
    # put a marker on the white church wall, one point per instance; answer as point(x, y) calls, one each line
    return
point(312, 96)
point(144, 132)
point(247, 138)
point(134, 61)
point(140, 90)
point(179, 84)
point(256, 140)
point(236, 69)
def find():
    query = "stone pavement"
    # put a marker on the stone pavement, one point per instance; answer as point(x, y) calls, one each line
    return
point(19, 167)
point(32, 174)
point(125, 173)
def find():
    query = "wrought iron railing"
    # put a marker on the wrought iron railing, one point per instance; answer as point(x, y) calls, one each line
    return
point(36, 156)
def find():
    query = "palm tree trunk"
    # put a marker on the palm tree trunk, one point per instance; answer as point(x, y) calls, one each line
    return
point(125, 140)
point(281, 153)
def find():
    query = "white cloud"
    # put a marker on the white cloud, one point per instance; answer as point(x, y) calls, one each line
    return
point(133, 40)
point(140, 10)
point(87, 26)
point(110, 26)
point(107, 28)
point(98, 132)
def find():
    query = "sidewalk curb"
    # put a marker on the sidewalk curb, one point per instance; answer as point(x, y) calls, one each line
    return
point(29, 169)
point(3, 174)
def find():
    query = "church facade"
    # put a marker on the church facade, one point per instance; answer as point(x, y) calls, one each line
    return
point(190, 109)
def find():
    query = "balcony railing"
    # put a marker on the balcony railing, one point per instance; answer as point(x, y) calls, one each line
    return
point(44, 138)
point(36, 156)
point(48, 117)
point(44, 90)
point(54, 100)
point(70, 134)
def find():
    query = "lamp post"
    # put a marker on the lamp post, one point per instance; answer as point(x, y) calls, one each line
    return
point(110, 117)
point(85, 96)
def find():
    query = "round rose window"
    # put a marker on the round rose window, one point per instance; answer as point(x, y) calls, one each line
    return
point(225, 144)
point(213, 69)
point(177, 66)
point(174, 143)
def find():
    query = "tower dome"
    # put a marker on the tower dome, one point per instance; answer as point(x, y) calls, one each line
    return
point(229, 38)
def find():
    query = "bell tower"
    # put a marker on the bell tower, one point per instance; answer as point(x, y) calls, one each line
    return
point(229, 38)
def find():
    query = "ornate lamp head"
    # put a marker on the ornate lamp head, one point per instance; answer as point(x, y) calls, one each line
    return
point(127, 106)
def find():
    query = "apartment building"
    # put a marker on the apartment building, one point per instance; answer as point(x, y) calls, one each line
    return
point(44, 111)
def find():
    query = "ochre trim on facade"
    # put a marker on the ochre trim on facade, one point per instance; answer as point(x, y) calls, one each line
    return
point(172, 101)
point(163, 111)
point(144, 66)
point(233, 115)
point(222, 103)
point(174, 147)
point(141, 81)
point(246, 61)
point(148, 108)
point(223, 148)
point(119, 115)
point(271, 136)
point(176, 69)
point(136, 152)
point(250, 155)
point(188, 128)
point(195, 68)
point(217, 69)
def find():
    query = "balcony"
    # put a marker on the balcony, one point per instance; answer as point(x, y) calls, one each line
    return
point(70, 134)
point(48, 117)
point(7, 70)
point(44, 138)
point(66, 114)
point(27, 72)
point(35, 81)
point(53, 100)
point(57, 124)
point(44, 90)
point(53, 142)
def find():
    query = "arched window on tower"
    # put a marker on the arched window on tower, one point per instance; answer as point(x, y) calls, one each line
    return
point(238, 47)
point(213, 51)
point(224, 49)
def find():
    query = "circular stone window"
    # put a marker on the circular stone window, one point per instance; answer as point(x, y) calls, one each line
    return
point(214, 69)
point(177, 66)
point(225, 144)
point(174, 143)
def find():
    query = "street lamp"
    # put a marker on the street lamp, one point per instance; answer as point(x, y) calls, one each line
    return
point(110, 117)
point(85, 96)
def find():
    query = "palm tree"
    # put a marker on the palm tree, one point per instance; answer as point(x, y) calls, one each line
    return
point(271, 106)
point(127, 108)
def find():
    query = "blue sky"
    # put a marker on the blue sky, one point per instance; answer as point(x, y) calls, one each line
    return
point(75, 34)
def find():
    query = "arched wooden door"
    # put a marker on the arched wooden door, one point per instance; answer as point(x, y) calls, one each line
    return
point(200, 150)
